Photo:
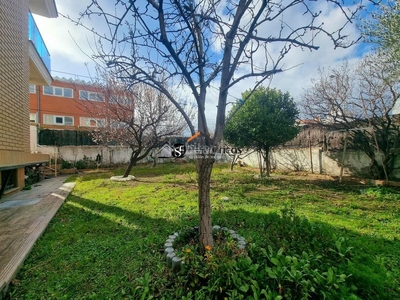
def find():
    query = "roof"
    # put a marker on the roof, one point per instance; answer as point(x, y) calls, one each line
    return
point(45, 8)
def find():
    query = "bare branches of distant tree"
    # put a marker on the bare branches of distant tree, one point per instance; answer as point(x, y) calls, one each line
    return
point(137, 116)
point(361, 96)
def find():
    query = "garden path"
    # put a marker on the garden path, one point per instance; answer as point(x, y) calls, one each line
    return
point(23, 218)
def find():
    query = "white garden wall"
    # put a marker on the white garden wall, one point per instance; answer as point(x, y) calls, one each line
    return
point(285, 159)
point(111, 155)
point(323, 162)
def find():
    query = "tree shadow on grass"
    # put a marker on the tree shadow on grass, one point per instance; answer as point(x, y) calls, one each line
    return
point(140, 220)
point(370, 261)
point(332, 185)
point(92, 249)
point(141, 173)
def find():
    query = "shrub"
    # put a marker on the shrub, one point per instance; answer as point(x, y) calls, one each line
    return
point(32, 175)
point(86, 163)
point(293, 271)
point(65, 164)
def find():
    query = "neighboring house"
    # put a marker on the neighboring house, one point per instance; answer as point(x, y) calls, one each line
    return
point(60, 105)
point(24, 59)
point(165, 151)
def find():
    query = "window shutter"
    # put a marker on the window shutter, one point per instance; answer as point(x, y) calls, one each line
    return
point(68, 121)
point(48, 119)
point(48, 90)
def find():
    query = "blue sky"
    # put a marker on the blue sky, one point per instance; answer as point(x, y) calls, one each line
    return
point(68, 43)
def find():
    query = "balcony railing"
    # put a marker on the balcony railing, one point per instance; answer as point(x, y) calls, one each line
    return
point(37, 40)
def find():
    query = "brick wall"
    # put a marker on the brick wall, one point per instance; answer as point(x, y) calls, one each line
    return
point(76, 108)
point(14, 76)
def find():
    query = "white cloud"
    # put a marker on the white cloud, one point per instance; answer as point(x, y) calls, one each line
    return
point(67, 43)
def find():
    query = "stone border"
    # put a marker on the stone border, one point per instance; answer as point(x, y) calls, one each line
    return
point(121, 179)
point(174, 262)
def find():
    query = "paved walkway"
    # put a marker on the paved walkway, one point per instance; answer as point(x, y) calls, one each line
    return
point(23, 218)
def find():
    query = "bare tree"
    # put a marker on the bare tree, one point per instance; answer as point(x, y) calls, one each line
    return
point(360, 99)
point(137, 116)
point(202, 43)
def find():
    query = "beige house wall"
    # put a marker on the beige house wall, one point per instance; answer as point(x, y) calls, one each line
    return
point(33, 138)
point(15, 151)
point(14, 76)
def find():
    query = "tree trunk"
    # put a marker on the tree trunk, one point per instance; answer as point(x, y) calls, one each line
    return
point(260, 163)
point(234, 159)
point(375, 169)
point(266, 161)
point(204, 168)
point(132, 162)
point(154, 163)
point(388, 162)
point(267, 165)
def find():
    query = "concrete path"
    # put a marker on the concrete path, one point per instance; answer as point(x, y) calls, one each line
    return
point(23, 218)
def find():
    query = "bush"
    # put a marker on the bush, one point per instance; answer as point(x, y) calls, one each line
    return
point(65, 137)
point(293, 271)
point(32, 176)
point(65, 164)
point(86, 163)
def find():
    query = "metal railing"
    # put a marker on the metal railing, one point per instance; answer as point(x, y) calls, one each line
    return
point(37, 40)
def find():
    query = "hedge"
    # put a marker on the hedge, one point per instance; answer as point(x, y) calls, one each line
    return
point(50, 137)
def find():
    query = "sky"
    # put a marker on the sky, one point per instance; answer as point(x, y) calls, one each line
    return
point(70, 47)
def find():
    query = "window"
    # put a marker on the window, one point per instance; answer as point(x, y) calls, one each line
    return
point(68, 120)
point(121, 100)
point(57, 91)
point(91, 122)
point(58, 120)
point(32, 88)
point(33, 117)
point(68, 93)
point(118, 124)
point(92, 96)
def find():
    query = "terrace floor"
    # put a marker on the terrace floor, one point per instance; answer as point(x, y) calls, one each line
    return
point(24, 216)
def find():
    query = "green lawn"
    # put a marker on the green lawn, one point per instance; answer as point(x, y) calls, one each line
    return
point(106, 241)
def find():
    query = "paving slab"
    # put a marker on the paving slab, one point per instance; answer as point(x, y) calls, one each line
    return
point(23, 218)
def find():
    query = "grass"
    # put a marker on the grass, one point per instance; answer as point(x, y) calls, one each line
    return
point(106, 241)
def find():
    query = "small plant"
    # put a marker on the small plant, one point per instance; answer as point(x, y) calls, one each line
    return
point(32, 175)
point(221, 271)
point(382, 193)
point(65, 164)
point(141, 287)
point(342, 251)
point(27, 187)
point(301, 276)
point(86, 163)
point(262, 272)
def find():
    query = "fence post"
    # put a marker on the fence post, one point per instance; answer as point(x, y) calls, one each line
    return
point(343, 157)
point(309, 145)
